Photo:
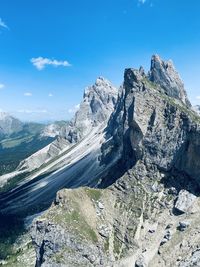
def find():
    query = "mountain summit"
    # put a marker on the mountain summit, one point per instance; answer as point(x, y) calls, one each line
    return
point(98, 103)
point(164, 74)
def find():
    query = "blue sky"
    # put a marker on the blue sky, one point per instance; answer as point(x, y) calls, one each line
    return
point(77, 41)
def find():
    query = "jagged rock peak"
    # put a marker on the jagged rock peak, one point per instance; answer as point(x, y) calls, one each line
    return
point(132, 76)
point(102, 81)
point(98, 102)
point(95, 109)
point(165, 74)
point(101, 85)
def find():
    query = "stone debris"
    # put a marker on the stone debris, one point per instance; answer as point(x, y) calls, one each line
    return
point(183, 225)
point(185, 201)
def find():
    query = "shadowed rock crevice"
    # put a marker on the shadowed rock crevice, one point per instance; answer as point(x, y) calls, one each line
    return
point(40, 260)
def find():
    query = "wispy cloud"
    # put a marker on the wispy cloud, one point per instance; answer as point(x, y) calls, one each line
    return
point(141, 1)
point(148, 3)
point(3, 24)
point(74, 109)
point(2, 86)
point(29, 111)
point(28, 94)
point(50, 94)
point(198, 97)
point(40, 63)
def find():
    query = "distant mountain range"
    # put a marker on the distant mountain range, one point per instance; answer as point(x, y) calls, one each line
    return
point(19, 140)
point(9, 125)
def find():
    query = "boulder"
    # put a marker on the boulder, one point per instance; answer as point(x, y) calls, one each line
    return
point(185, 201)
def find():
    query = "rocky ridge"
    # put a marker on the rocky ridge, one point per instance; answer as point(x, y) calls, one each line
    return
point(98, 103)
point(146, 207)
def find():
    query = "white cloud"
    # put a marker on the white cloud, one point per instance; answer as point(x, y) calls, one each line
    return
point(70, 110)
point(2, 85)
point(40, 63)
point(28, 94)
point(142, 1)
point(145, 2)
point(29, 111)
point(3, 24)
point(198, 97)
point(50, 94)
point(74, 109)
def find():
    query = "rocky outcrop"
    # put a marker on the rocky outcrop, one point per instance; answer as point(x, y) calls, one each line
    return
point(55, 129)
point(185, 201)
point(151, 126)
point(164, 74)
point(98, 103)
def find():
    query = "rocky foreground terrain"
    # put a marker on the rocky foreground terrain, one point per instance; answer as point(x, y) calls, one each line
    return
point(130, 173)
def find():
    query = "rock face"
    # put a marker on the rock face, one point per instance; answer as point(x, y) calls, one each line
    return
point(55, 129)
point(164, 74)
point(151, 126)
point(98, 103)
point(185, 201)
